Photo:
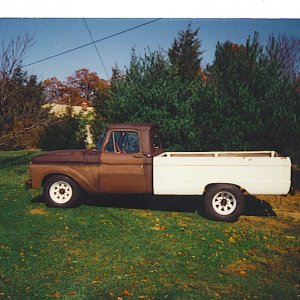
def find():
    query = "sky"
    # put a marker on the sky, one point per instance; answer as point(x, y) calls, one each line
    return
point(56, 35)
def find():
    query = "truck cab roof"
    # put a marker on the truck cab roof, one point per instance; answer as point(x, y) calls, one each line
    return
point(138, 126)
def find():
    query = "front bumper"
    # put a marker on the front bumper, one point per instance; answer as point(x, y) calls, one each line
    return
point(28, 184)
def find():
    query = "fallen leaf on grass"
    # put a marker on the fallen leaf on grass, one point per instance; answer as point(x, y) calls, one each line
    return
point(242, 273)
point(56, 294)
point(132, 273)
point(103, 221)
point(289, 237)
point(97, 280)
point(231, 240)
point(134, 283)
point(126, 293)
point(72, 293)
point(158, 227)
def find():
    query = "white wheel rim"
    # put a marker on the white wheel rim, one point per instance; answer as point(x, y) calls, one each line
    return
point(61, 192)
point(224, 203)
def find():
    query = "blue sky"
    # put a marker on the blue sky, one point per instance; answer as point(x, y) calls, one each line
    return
point(53, 36)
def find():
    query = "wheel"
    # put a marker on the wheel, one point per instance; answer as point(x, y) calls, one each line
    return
point(61, 191)
point(224, 202)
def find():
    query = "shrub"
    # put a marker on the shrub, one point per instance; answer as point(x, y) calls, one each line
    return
point(67, 132)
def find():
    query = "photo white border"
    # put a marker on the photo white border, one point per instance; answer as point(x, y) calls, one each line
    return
point(151, 9)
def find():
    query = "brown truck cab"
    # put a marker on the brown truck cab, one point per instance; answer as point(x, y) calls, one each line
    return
point(121, 162)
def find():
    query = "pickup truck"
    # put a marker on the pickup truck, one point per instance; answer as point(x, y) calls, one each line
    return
point(129, 159)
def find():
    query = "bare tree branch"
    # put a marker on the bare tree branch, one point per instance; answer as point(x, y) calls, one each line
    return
point(21, 95)
point(286, 49)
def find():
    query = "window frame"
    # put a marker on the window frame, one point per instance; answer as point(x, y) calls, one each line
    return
point(111, 132)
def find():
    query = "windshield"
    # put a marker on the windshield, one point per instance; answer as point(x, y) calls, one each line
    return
point(101, 140)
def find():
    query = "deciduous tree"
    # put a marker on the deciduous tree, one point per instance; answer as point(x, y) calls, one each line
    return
point(55, 90)
point(80, 87)
point(21, 97)
point(286, 51)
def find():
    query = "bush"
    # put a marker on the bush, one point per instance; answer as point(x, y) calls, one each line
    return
point(64, 133)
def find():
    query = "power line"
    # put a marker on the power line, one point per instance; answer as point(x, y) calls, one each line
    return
point(101, 60)
point(88, 44)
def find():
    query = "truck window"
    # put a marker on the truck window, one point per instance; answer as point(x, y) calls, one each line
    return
point(125, 142)
point(100, 142)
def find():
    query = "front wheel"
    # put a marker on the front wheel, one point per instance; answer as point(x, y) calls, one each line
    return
point(61, 191)
point(224, 202)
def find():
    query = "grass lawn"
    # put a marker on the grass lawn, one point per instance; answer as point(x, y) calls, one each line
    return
point(138, 247)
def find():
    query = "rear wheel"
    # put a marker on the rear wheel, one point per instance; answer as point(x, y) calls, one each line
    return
point(224, 202)
point(61, 191)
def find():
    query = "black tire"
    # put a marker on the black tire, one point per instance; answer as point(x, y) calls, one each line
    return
point(61, 191)
point(224, 202)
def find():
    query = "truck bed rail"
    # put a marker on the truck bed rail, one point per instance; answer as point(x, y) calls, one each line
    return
point(221, 154)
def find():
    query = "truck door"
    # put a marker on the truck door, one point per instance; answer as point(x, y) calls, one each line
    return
point(122, 164)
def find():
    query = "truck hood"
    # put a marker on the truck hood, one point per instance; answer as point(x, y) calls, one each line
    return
point(60, 156)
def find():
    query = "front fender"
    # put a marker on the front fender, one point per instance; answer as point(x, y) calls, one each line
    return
point(85, 177)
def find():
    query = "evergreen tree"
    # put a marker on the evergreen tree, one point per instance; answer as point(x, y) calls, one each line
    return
point(152, 91)
point(185, 53)
point(257, 106)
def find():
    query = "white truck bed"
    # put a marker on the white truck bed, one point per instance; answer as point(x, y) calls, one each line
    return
point(188, 173)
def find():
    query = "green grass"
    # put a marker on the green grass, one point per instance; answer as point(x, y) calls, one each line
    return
point(97, 252)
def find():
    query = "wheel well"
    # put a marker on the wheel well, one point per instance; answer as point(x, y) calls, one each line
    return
point(228, 184)
point(56, 174)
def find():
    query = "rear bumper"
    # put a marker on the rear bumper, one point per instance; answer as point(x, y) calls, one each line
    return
point(28, 184)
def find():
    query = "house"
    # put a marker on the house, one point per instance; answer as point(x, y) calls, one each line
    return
point(61, 109)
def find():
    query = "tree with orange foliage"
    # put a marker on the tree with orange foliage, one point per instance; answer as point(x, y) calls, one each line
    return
point(82, 86)
point(55, 90)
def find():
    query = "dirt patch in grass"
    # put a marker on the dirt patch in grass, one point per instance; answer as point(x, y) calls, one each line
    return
point(239, 267)
point(285, 217)
point(39, 211)
point(184, 222)
point(284, 250)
